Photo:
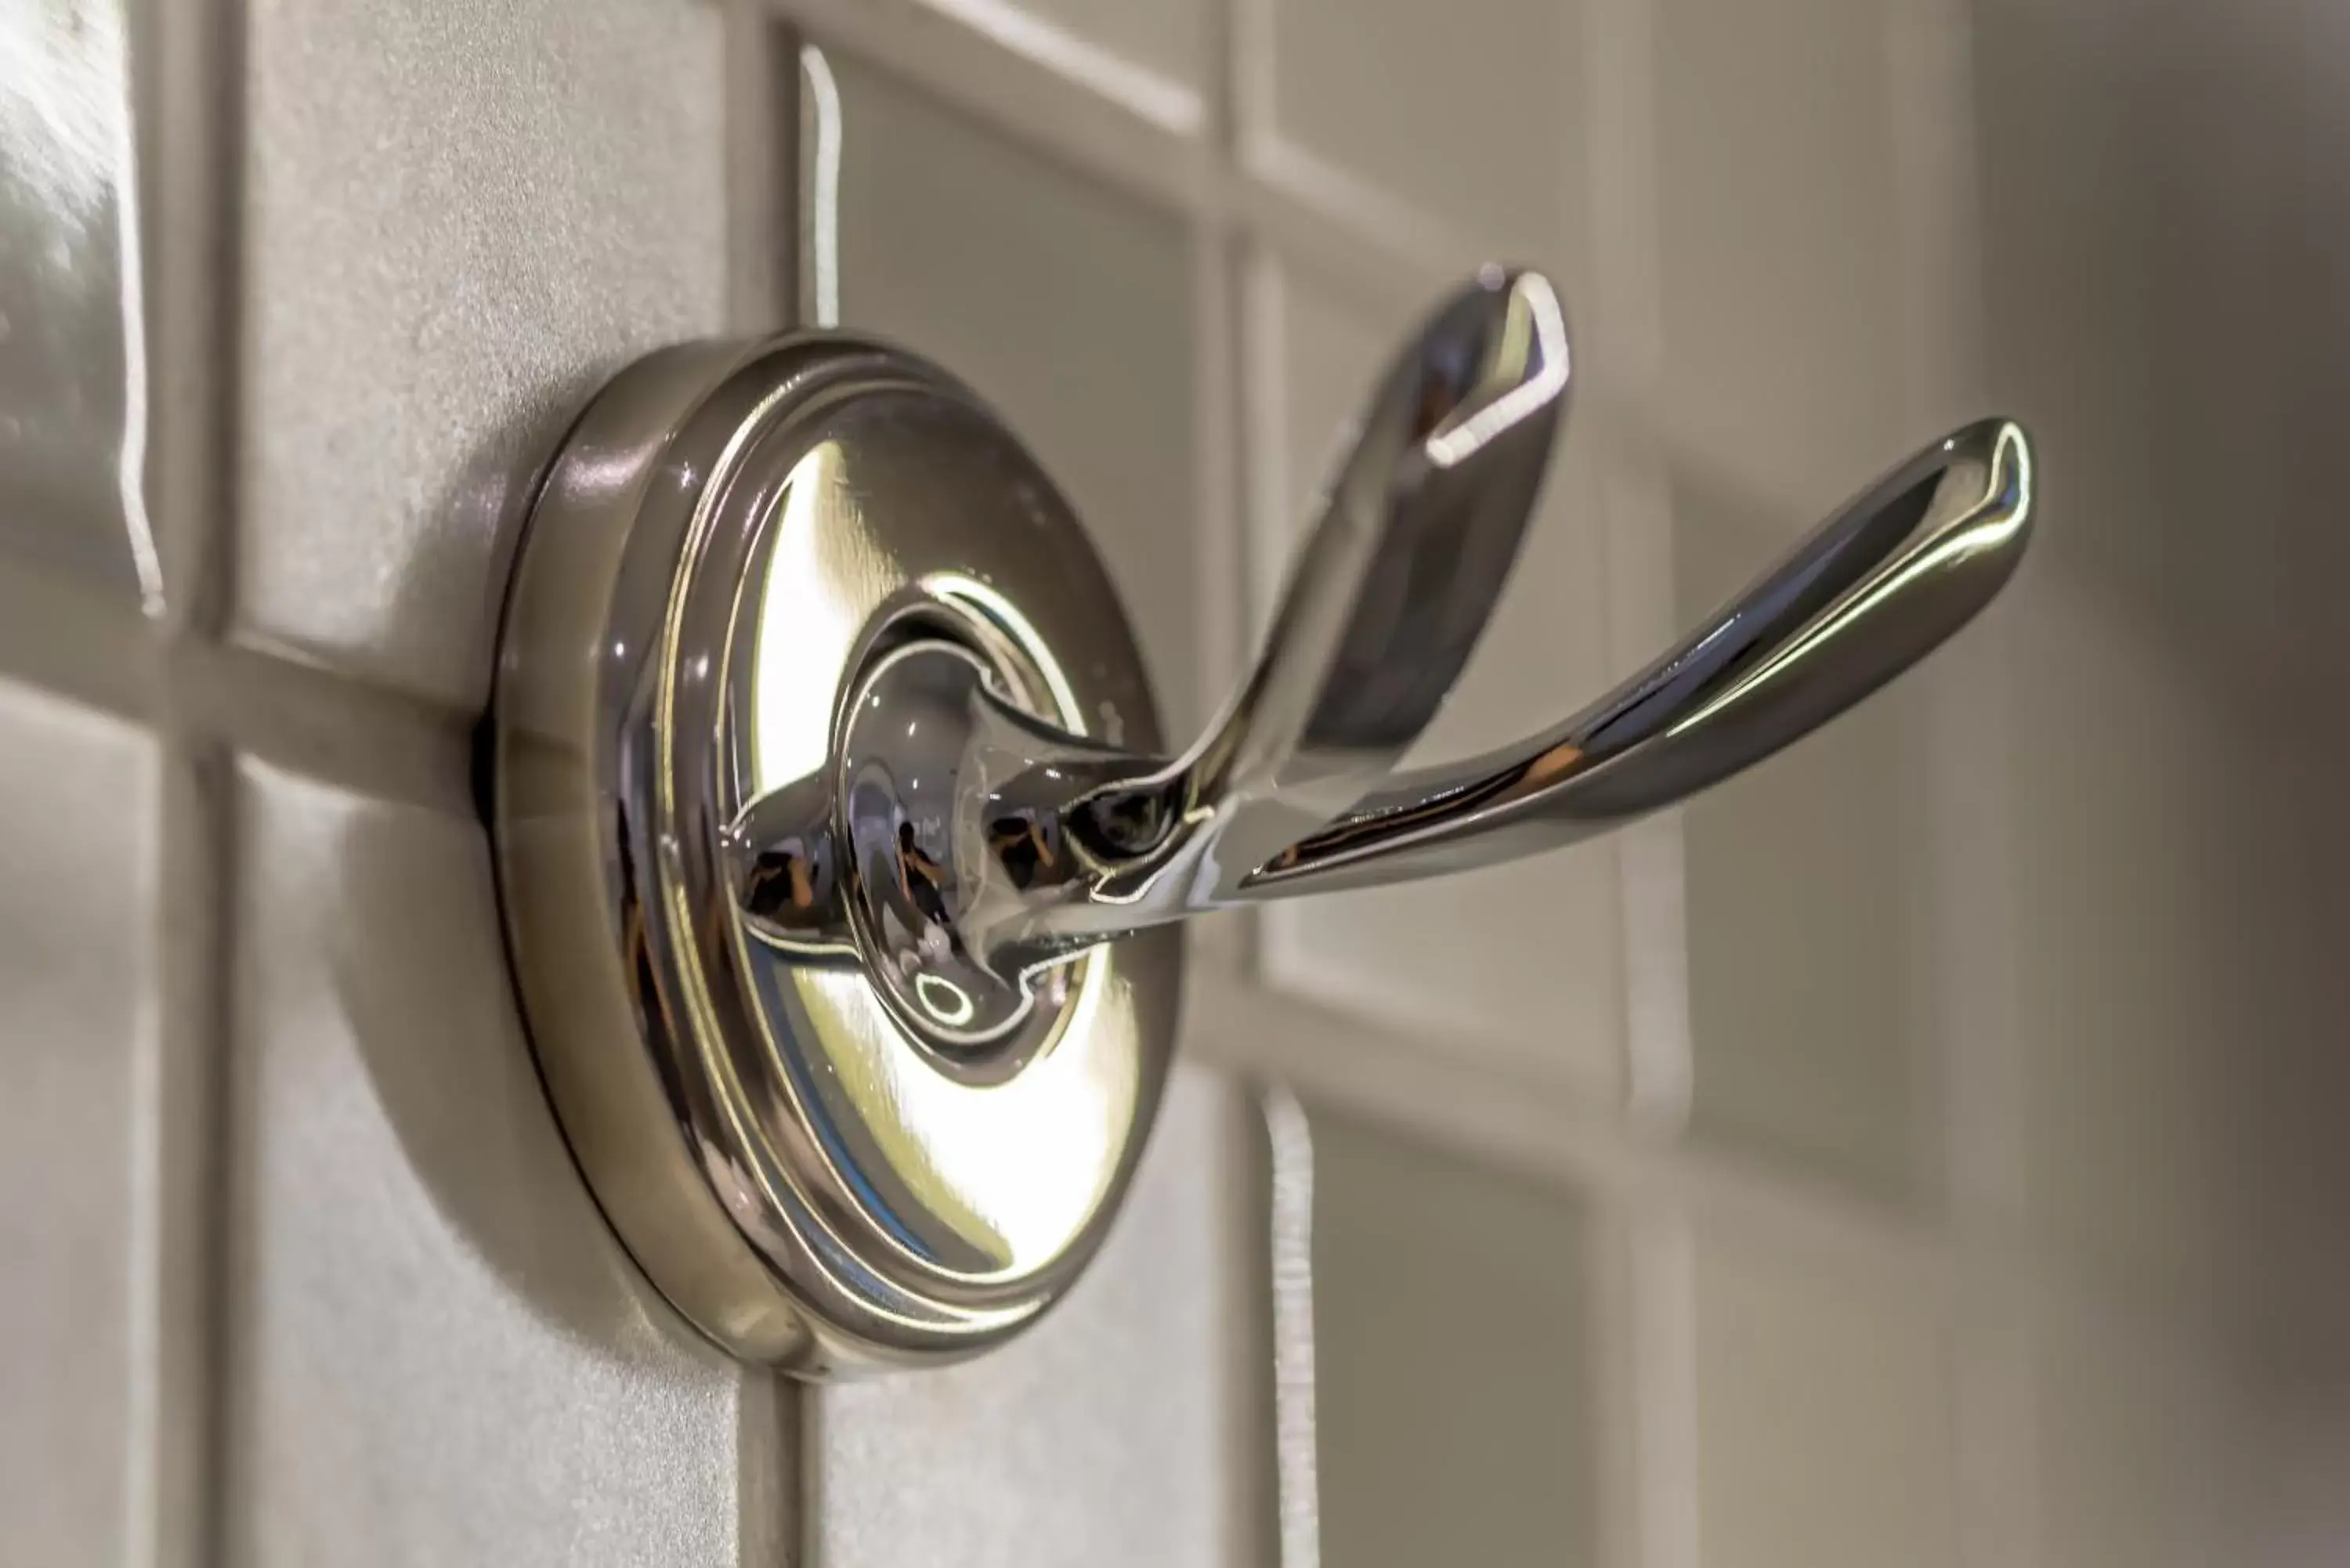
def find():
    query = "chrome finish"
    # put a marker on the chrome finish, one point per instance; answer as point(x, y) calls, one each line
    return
point(729, 538)
point(1871, 591)
point(840, 853)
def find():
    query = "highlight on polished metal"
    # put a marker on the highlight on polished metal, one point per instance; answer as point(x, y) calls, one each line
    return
point(840, 853)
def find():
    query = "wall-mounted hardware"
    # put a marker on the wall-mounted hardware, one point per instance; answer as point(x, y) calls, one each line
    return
point(842, 853)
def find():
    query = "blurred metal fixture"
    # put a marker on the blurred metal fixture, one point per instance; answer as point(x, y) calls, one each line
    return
point(841, 853)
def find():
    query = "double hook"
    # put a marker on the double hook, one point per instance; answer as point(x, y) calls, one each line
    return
point(985, 847)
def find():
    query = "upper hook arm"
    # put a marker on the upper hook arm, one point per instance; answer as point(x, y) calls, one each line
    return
point(1870, 592)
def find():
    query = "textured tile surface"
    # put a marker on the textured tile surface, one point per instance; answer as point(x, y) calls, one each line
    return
point(1064, 303)
point(1521, 965)
point(77, 880)
point(459, 220)
point(437, 1352)
point(1118, 1430)
point(1469, 114)
point(1824, 1411)
point(1453, 1387)
point(1807, 885)
point(69, 329)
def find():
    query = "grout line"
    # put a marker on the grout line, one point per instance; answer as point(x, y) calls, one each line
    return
point(63, 636)
point(1251, 72)
point(1222, 529)
point(312, 722)
point(1259, 536)
point(1225, 62)
point(769, 1516)
point(1655, 1339)
point(190, 159)
point(1652, 884)
point(1636, 529)
point(177, 1198)
point(1612, 1342)
point(1220, 410)
point(807, 1535)
point(1268, 527)
point(1668, 1521)
point(186, 134)
point(1628, 325)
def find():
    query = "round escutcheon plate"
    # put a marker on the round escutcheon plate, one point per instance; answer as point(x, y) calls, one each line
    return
point(820, 1174)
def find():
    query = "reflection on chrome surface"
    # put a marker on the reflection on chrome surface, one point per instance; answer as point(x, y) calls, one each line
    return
point(819, 1159)
point(990, 846)
point(840, 854)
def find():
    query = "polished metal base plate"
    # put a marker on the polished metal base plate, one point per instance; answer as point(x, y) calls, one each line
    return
point(730, 538)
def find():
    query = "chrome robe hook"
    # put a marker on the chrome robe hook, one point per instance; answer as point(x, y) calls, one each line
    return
point(840, 853)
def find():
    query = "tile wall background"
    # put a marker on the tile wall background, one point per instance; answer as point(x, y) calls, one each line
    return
point(1921, 1151)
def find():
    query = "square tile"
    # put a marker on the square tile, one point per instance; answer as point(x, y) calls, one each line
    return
point(1467, 119)
point(437, 1350)
point(1823, 1405)
point(1780, 241)
point(457, 223)
point(77, 896)
point(1119, 1428)
point(1807, 902)
point(71, 355)
point(1067, 305)
point(1456, 1401)
point(1520, 965)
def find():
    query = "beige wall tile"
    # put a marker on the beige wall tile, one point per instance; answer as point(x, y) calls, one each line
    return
point(1454, 1388)
point(1779, 242)
point(1807, 898)
point(436, 1352)
point(459, 221)
point(1823, 1413)
point(77, 891)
